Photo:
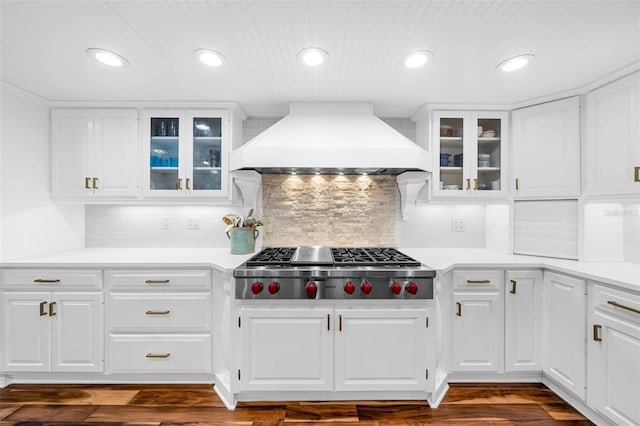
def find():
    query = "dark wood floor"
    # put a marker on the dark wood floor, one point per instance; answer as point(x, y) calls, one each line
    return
point(198, 405)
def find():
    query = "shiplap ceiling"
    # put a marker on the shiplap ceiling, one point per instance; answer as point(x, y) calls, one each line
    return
point(576, 42)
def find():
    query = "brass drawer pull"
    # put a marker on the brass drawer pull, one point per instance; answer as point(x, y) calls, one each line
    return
point(475, 184)
point(95, 183)
point(188, 180)
point(479, 281)
point(52, 313)
point(596, 333)
point(458, 309)
point(513, 287)
point(636, 174)
point(340, 322)
point(42, 311)
point(179, 184)
point(42, 280)
point(86, 183)
point(517, 184)
point(468, 183)
point(157, 312)
point(157, 281)
point(150, 355)
point(628, 308)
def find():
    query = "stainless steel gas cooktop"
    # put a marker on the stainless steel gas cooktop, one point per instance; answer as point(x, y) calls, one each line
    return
point(319, 272)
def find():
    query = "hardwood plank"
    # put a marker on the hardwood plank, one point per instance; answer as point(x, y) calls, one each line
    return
point(500, 395)
point(107, 386)
point(58, 413)
point(138, 413)
point(455, 412)
point(191, 398)
point(322, 413)
point(69, 396)
point(5, 410)
point(562, 411)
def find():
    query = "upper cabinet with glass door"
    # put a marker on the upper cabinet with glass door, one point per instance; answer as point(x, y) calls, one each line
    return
point(187, 153)
point(469, 154)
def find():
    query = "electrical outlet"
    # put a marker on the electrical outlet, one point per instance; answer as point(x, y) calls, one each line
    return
point(193, 223)
point(457, 224)
point(166, 223)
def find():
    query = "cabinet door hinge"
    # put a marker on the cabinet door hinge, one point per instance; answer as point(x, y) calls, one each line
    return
point(426, 322)
point(239, 322)
point(426, 374)
point(239, 375)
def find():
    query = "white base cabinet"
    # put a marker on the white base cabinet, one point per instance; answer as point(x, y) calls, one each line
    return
point(564, 333)
point(477, 336)
point(523, 321)
point(614, 355)
point(326, 349)
point(52, 332)
point(382, 349)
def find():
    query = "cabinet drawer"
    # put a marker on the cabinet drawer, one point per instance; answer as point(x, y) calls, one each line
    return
point(168, 312)
point(161, 353)
point(478, 280)
point(167, 280)
point(51, 279)
point(617, 302)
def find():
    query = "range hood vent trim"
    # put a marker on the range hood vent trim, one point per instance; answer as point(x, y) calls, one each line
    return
point(330, 138)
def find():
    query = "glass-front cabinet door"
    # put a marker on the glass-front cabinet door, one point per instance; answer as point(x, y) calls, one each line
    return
point(186, 153)
point(470, 153)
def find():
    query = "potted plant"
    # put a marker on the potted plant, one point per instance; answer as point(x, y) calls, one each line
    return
point(242, 232)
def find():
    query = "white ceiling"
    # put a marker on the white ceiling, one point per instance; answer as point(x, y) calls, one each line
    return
point(576, 42)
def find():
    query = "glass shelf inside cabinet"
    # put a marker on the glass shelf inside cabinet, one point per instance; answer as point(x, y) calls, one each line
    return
point(164, 153)
point(451, 153)
point(207, 153)
point(488, 161)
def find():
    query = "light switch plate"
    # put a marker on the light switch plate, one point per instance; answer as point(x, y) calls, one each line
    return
point(457, 224)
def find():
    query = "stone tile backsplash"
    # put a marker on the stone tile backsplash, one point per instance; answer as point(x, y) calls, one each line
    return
point(336, 210)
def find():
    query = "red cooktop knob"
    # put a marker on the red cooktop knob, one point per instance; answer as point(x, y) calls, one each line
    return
point(395, 288)
point(349, 288)
point(273, 287)
point(256, 287)
point(412, 288)
point(366, 287)
point(312, 290)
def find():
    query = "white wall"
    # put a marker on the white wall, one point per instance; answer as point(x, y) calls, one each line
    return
point(430, 225)
point(31, 223)
point(145, 226)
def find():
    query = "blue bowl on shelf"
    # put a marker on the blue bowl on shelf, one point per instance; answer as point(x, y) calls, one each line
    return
point(444, 159)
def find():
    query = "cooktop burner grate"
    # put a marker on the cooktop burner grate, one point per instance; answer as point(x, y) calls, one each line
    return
point(341, 256)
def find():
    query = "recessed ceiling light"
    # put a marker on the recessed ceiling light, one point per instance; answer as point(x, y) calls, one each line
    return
point(417, 59)
point(107, 57)
point(515, 63)
point(209, 57)
point(313, 56)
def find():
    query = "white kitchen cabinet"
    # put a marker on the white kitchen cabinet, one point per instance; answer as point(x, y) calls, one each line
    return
point(477, 329)
point(94, 153)
point(546, 150)
point(286, 349)
point(382, 349)
point(523, 320)
point(470, 153)
point(53, 331)
point(186, 153)
point(614, 354)
point(292, 349)
point(159, 321)
point(612, 135)
point(564, 332)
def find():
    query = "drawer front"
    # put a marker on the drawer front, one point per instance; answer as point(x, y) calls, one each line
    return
point(164, 312)
point(161, 280)
point(160, 353)
point(51, 279)
point(478, 280)
point(617, 302)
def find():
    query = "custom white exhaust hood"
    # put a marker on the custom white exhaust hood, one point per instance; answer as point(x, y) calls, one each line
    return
point(330, 138)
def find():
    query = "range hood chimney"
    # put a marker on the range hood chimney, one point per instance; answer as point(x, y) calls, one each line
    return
point(330, 138)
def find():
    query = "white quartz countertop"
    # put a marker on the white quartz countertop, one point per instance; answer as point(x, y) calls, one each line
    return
point(625, 275)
